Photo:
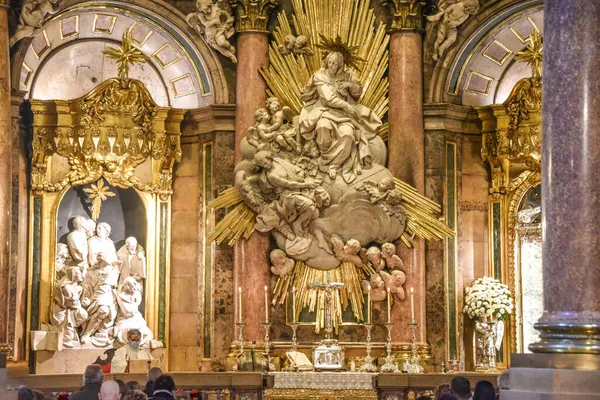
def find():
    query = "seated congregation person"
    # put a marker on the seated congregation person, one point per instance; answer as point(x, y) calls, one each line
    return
point(135, 395)
point(131, 351)
point(92, 381)
point(484, 390)
point(164, 388)
point(461, 388)
point(133, 385)
point(152, 375)
point(109, 391)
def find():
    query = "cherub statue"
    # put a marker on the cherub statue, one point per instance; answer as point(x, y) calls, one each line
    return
point(388, 251)
point(348, 252)
point(33, 14)
point(285, 133)
point(268, 128)
point(379, 192)
point(394, 281)
point(214, 22)
point(295, 45)
point(374, 257)
point(451, 14)
point(282, 264)
point(67, 312)
point(378, 290)
point(252, 196)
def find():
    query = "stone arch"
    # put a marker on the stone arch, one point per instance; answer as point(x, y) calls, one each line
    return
point(479, 69)
point(185, 64)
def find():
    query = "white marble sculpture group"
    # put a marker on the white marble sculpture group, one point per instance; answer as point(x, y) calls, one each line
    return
point(318, 181)
point(98, 290)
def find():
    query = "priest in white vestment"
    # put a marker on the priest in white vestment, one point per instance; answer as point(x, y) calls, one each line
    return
point(131, 351)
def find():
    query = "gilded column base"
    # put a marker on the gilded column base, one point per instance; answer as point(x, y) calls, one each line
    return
point(571, 333)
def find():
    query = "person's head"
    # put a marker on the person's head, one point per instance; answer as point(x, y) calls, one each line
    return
point(74, 274)
point(134, 338)
point(90, 226)
point(153, 374)
point(131, 245)
point(388, 249)
point(93, 374)
point(103, 230)
point(472, 6)
point(374, 254)
point(273, 104)
point(79, 223)
point(447, 396)
point(261, 116)
point(123, 389)
point(62, 253)
point(334, 62)
point(376, 281)
point(461, 387)
point(442, 389)
point(289, 41)
point(484, 390)
point(109, 391)
point(398, 277)
point(135, 395)
point(24, 393)
point(278, 257)
point(38, 394)
point(263, 159)
point(133, 385)
point(164, 382)
point(386, 184)
point(353, 245)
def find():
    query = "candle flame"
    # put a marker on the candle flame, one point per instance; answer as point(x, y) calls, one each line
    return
point(240, 289)
point(412, 290)
point(369, 288)
point(388, 289)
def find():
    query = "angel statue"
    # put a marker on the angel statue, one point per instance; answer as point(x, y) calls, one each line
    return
point(451, 14)
point(271, 128)
point(214, 22)
point(33, 14)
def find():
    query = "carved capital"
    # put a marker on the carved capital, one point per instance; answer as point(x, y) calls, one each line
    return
point(252, 15)
point(406, 15)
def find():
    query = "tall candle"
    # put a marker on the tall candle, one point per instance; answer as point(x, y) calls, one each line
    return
point(389, 301)
point(369, 304)
point(293, 304)
point(266, 305)
point(412, 304)
point(240, 304)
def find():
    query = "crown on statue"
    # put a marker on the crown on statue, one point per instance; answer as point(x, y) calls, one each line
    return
point(337, 46)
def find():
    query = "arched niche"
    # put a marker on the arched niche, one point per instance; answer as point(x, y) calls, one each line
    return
point(124, 212)
point(479, 69)
point(62, 62)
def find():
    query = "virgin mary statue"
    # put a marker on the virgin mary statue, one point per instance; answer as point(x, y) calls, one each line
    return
point(344, 131)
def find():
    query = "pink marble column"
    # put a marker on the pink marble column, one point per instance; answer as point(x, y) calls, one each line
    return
point(251, 265)
point(5, 177)
point(571, 178)
point(406, 143)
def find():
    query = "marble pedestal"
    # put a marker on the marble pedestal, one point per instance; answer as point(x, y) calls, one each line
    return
point(553, 376)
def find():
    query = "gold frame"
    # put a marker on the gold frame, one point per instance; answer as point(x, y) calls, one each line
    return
point(57, 124)
point(100, 30)
point(500, 44)
point(75, 33)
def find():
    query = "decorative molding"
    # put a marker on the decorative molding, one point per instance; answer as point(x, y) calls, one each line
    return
point(473, 206)
point(405, 15)
point(252, 15)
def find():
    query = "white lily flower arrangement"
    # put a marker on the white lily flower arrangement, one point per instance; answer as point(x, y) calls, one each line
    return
point(487, 299)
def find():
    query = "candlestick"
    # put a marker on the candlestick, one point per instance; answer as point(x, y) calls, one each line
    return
point(413, 363)
point(389, 304)
point(293, 304)
point(368, 365)
point(266, 305)
point(240, 304)
point(390, 365)
point(412, 304)
point(369, 304)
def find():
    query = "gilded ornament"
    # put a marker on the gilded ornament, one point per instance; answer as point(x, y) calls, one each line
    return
point(405, 14)
point(98, 193)
point(533, 54)
point(252, 15)
point(126, 54)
